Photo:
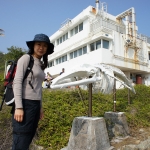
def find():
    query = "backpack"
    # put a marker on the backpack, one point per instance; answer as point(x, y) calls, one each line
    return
point(8, 96)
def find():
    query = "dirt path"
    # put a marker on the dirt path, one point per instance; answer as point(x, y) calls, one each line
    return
point(137, 135)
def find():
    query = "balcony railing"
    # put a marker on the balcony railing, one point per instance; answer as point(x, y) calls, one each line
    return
point(143, 37)
point(95, 26)
point(107, 24)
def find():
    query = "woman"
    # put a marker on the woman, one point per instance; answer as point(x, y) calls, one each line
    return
point(28, 96)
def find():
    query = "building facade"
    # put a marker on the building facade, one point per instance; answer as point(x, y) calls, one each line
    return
point(95, 36)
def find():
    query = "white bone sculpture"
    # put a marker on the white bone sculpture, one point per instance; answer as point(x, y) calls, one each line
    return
point(87, 73)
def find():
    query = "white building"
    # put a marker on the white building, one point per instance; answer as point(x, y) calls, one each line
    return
point(95, 36)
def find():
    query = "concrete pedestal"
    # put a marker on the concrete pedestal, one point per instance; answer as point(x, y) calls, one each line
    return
point(116, 124)
point(88, 133)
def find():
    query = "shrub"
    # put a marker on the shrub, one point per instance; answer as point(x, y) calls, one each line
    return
point(62, 106)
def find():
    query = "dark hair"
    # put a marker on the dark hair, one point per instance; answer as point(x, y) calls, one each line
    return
point(45, 58)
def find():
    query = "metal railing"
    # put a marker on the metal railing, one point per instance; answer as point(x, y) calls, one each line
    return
point(97, 24)
point(143, 37)
point(107, 24)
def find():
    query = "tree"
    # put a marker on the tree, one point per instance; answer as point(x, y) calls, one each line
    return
point(14, 53)
point(2, 62)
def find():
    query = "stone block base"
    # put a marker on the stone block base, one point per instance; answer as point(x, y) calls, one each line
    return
point(88, 133)
point(116, 124)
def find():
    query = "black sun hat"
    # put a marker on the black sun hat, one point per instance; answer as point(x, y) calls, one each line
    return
point(41, 38)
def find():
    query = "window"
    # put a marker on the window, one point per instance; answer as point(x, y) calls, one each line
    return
point(66, 35)
point(60, 40)
point(106, 44)
point(64, 38)
point(98, 44)
point(80, 52)
point(80, 27)
point(75, 54)
point(71, 55)
point(76, 30)
point(50, 64)
point(92, 47)
point(57, 41)
point(57, 62)
point(72, 32)
point(84, 50)
point(62, 58)
point(65, 58)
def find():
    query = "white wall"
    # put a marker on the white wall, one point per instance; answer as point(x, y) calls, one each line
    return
point(97, 56)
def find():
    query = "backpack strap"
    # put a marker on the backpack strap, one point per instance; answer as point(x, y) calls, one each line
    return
point(29, 69)
point(9, 76)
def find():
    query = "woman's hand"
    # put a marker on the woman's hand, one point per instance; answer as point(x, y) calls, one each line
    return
point(18, 115)
point(41, 113)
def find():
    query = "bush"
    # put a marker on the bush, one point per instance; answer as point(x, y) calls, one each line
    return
point(62, 106)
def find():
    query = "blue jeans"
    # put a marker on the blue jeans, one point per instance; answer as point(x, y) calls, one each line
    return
point(23, 132)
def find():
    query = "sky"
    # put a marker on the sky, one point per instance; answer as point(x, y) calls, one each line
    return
point(22, 19)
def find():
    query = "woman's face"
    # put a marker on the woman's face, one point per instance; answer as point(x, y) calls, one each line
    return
point(40, 48)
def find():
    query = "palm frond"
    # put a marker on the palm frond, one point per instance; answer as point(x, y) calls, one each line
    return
point(1, 32)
